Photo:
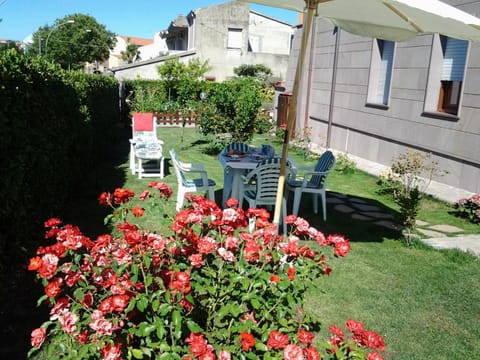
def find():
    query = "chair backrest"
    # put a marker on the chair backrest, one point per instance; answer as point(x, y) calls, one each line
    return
point(179, 167)
point(267, 176)
point(268, 150)
point(274, 160)
point(325, 163)
point(237, 147)
point(143, 126)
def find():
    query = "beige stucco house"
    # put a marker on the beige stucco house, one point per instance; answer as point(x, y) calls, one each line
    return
point(227, 36)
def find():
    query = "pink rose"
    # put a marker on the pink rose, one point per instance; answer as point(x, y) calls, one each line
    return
point(38, 337)
point(293, 352)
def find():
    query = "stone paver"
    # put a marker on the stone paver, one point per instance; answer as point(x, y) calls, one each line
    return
point(361, 217)
point(362, 207)
point(344, 209)
point(378, 215)
point(386, 224)
point(334, 200)
point(436, 235)
point(468, 243)
point(430, 233)
point(421, 223)
point(357, 200)
point(446, 228)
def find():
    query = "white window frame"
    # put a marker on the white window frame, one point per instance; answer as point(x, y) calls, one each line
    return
point(440, 72)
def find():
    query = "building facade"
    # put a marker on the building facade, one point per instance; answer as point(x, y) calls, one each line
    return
point(422, 94)
point(227, 36)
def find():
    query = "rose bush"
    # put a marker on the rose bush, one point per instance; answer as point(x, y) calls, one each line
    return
point(469, 208)
point(210, 289)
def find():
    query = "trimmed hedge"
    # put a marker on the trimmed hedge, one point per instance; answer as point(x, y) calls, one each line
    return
point(53, 126)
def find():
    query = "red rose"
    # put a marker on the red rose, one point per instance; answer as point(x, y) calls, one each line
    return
point(277, 340)
point(35, 263)
point(305, 337)
point(342, 248)
point(198, 344)
point(311, 353)
point(181, 282)
point(372, 340)
point(291, 273)
point(54, 287)
point(246, 340)
point(52, 222)
point(231, 203)
point(165, 190)
point(137, 211)
point(354, 326)
point(374, 356)
point(274, 278)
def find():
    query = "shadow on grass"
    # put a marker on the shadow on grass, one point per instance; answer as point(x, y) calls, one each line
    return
point(18, 312)
point(352, 222)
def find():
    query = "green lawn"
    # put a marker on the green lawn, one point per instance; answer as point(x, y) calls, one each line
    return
point(425, 302)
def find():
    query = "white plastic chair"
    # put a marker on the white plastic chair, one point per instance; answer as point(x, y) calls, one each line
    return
point(313, 181)
point(264, 179)
point(145, 145)
point(187, 184)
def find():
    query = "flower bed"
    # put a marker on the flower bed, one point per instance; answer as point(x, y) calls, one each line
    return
point(211, 289)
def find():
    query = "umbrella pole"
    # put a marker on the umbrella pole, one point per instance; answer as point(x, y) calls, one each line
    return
point(292, 110)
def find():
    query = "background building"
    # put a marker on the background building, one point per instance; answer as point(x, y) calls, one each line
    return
point(227, 36)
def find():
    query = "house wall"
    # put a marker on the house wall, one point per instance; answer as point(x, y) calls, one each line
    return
point(211, 36)
point(381, 134)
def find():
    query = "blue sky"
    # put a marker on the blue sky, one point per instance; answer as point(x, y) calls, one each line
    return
point(140, 18)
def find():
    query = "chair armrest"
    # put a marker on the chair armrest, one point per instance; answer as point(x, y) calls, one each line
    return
point(306, 176)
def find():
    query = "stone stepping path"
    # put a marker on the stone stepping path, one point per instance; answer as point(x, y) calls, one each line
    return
point(360, 209)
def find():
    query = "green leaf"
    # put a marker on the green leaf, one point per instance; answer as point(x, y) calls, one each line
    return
point(142, 303)
point(177, 324)
point(261, 346)
point(193, 327)
point(107, 219)
point(137, 353)
point(224, 310)
point(255, 303)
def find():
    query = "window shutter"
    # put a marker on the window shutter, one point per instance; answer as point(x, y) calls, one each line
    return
point(454, 58)
point(234, 39)
point(385, 71)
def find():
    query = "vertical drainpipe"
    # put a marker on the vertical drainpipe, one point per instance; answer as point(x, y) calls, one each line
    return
point(309, 75)
point(332, 90)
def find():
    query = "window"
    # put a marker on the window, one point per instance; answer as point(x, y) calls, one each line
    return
point(453, 68)
point(445, 77)
point(380, 72)
point(234, 40)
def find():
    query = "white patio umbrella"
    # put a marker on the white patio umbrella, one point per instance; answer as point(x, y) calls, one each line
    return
point(394, 20)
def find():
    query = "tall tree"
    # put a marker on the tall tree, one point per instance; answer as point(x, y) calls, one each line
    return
point(131, 53)
point(73, 40)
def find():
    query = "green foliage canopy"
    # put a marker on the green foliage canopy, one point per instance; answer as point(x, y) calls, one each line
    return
point(72, 41)
point(182, 81)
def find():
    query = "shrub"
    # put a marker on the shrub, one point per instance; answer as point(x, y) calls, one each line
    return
point(469, 208)
point(208, 289)
point(411, 173)
point(344, 164)
point(231, 107)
